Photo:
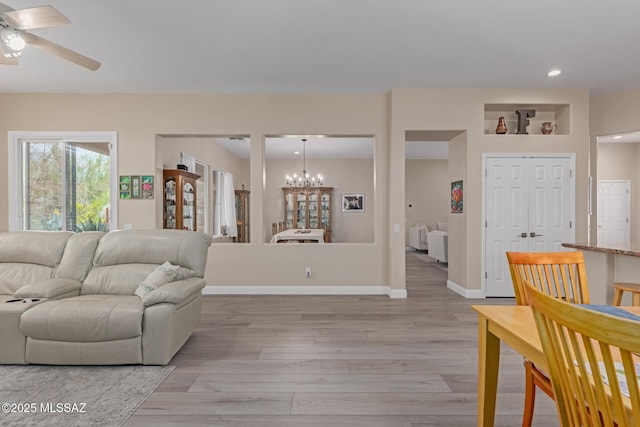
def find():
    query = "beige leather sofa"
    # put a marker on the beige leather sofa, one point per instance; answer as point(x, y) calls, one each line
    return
point(68, 299)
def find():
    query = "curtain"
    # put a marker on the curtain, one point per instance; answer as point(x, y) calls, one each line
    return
point(189, 161)
point(229, 205)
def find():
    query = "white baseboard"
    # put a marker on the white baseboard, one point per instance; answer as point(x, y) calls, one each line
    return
point(397, 293)
point(467, 293)
point(304, 290)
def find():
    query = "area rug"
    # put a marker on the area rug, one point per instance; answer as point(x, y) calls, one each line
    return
point(75, 395)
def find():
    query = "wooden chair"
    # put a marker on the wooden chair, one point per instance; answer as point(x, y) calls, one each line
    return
point(561, 275)
point(620, 288)
point(590, 355)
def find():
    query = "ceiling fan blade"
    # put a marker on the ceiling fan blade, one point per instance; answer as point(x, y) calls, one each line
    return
point(61, 52)
point(8, 61)
point(4, 8)
point(35, 17)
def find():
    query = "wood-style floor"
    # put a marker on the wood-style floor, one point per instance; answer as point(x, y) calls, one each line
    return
point(316, 361)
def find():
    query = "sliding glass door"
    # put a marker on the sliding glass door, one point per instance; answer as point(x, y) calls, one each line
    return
point(65, 185)
point(62, 181)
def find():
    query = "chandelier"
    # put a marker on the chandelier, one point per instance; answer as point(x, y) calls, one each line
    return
point(304, 179)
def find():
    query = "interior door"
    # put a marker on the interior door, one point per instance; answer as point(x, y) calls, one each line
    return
point(528, 208)
point(613, 213)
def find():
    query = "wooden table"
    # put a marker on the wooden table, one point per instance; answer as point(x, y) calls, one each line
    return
point(300, 235)
point(515, 326)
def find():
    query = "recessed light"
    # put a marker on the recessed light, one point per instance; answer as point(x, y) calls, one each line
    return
point(296, 152)
point(617, 137)
point(554, 73)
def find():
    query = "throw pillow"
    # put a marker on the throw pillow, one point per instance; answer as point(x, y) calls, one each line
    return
point(162, 275)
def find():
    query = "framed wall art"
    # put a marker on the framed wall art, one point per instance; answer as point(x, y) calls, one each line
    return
point(353, 203)
point(136, 187)
point(456, 197)
point(147, 186)
point(125, 186)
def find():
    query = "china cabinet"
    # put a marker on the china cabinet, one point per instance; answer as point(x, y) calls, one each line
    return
point(242, 216)
point(308, 208)
point(179, 202)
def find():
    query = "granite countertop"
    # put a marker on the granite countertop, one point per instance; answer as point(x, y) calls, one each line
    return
point(618, 250)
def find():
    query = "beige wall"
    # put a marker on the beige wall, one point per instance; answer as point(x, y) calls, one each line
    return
point(615, 113)
point(463, 109)
point(427, 189)
point(138, 119)
point(620, 162)
point(458, 222)
point(345, 176)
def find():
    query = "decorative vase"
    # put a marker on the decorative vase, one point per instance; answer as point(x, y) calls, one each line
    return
point(501, 129)
point(548, 128)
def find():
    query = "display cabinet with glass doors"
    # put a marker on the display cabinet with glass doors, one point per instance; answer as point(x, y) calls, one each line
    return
point(242, 216)
point(179, 201)
point(308, 208)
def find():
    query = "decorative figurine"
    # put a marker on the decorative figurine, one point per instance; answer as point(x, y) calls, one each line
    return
point(523, 120)
point(548, 128)
point(501, 129)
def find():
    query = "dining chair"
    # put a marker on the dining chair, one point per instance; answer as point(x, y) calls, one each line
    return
point(561, 275)
point(593, 361)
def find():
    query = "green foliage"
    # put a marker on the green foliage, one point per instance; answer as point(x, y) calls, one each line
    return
point(87, 199)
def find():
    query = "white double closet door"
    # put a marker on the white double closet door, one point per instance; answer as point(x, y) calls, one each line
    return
point(529, 207)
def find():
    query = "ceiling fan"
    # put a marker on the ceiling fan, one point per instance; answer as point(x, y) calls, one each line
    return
point(14, 36)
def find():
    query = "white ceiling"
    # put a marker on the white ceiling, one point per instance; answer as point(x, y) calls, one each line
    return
point(296, 46)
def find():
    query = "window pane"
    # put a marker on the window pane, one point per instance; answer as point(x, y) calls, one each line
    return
point(65, 186)
point(42, 183)
point(88, 183)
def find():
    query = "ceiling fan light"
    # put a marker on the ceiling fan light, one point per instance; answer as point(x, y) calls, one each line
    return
point(12, 40)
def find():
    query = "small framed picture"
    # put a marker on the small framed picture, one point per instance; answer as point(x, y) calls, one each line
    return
point(147, 186)
point(125, 186)
point(353, 203)
point(136, 187)
point(456, 197)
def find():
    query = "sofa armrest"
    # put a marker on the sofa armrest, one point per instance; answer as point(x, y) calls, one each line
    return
point(174, 292)
point(50, 288)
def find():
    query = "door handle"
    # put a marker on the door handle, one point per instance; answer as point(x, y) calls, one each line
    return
point(533, 234)
point(523, 235)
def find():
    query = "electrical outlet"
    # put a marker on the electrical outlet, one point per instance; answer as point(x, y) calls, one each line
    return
point(128, 226)
point(307, 272)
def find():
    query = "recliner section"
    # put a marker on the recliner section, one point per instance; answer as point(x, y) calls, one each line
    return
point(76, 303)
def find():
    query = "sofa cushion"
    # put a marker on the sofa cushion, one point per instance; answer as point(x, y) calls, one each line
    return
point(49, 288)
point(89, 318)
point(33, 247)
point(15, 275)
point(162, 275)
point(120, 279)
point(29, 256)
point(77, 259)
point(187, 249)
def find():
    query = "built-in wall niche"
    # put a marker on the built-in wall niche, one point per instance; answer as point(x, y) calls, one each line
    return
point(556, 114)
point(292, 200)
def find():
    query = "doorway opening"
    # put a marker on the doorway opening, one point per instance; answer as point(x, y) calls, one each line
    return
point(427, 207)
point(617, 206)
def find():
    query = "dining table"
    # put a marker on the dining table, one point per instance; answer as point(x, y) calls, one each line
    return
point(301, 235)
point(515, 326)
